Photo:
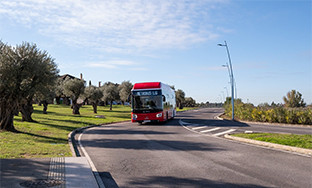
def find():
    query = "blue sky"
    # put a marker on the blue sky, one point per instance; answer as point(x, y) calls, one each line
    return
point(174, 41)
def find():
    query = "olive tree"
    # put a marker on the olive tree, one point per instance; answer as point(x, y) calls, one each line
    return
point(93, 94)
point(294, 99)
point(125, 91)
point(110, 93)
point(74, 88)
point(180, 98)
point(44, 98)
point(189, 102)
point(24, 71)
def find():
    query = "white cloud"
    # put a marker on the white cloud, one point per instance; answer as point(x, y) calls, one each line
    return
point(117, 26)
point(115, 64)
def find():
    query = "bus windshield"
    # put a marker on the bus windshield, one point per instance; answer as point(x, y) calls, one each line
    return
point(147, 103)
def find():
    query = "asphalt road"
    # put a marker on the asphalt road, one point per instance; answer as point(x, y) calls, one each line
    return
point(190, 151)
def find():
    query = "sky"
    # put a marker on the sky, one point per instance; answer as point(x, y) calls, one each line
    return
point(175, 42)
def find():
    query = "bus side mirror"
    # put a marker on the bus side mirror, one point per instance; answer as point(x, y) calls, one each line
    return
point(164, 98)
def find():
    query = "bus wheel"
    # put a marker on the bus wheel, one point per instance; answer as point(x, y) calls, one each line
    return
point(140, 122)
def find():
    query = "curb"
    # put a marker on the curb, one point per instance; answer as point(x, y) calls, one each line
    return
point(271, 145)
point(72, 141)
point(277, 124)
point(74, 145)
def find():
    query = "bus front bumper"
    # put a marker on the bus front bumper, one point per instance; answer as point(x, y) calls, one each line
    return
point(147, 117)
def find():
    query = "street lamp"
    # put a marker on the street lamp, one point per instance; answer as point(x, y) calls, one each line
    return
point(231, 76)
point(227, 92)
point(227, 66)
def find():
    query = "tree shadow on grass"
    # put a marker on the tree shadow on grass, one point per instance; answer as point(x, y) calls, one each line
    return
point(67, 128)
point(63, 127)
point(45, 139)
point(123, 116)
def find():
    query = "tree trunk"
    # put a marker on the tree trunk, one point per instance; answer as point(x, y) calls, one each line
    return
point(180, 106)
point(75, 107)
point(111, 105)
point(66, 101)
point(6, 118)
point(94, 105)
point(27, 110)
point(45, 106)
point(57, 100)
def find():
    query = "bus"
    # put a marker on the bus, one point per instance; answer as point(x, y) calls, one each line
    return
point(152, 102)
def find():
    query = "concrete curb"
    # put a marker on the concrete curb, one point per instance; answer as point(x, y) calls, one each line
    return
point(271, 145)
point(277, 124)
point(74, 145)
point(72, 141)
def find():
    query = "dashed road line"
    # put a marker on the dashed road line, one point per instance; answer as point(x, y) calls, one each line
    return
point(201, 127)
point(224, 132)
point(196, 128)
point(210, 130)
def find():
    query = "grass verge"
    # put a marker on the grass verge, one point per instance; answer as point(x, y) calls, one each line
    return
point(47, 137)
point(185, 109)
point(301, 141)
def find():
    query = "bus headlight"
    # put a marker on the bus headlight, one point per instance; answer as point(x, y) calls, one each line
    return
point(134, 116)
point(159, 115)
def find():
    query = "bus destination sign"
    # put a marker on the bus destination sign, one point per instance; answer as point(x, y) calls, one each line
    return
point(147, 93)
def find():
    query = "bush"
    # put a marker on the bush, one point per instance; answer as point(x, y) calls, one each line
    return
point(276, 114)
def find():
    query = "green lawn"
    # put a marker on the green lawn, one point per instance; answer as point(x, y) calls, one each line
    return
point(302, 141)
point(48, 136)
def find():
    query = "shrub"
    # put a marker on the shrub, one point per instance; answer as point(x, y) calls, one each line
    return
point(276, 114)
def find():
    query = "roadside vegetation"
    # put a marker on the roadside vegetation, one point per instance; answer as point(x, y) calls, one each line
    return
point(301, 141)
point(47, 136)
point(294, 111)
point(186, 108)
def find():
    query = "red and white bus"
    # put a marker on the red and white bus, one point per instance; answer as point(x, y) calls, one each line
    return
point(152, 102)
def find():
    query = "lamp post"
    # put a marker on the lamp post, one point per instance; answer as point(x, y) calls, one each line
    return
point(231, 76)
point(227, 92)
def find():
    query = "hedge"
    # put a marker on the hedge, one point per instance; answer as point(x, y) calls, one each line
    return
point(278, 114)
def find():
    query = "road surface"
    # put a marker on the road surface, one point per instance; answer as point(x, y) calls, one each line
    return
point(190, 151)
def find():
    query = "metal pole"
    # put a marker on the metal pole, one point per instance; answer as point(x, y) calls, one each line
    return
point(227, 92)
point(231, 76)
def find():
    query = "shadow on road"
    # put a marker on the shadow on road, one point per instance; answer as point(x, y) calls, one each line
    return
point(164, 145)
point(131, 132)
point(214, 123)
point(13, 172)
point(168, 181)
point(197, 122)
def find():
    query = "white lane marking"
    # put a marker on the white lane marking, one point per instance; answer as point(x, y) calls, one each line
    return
point(210, 130)
point(195, 128)
point(183, 123)
point(224, 132)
